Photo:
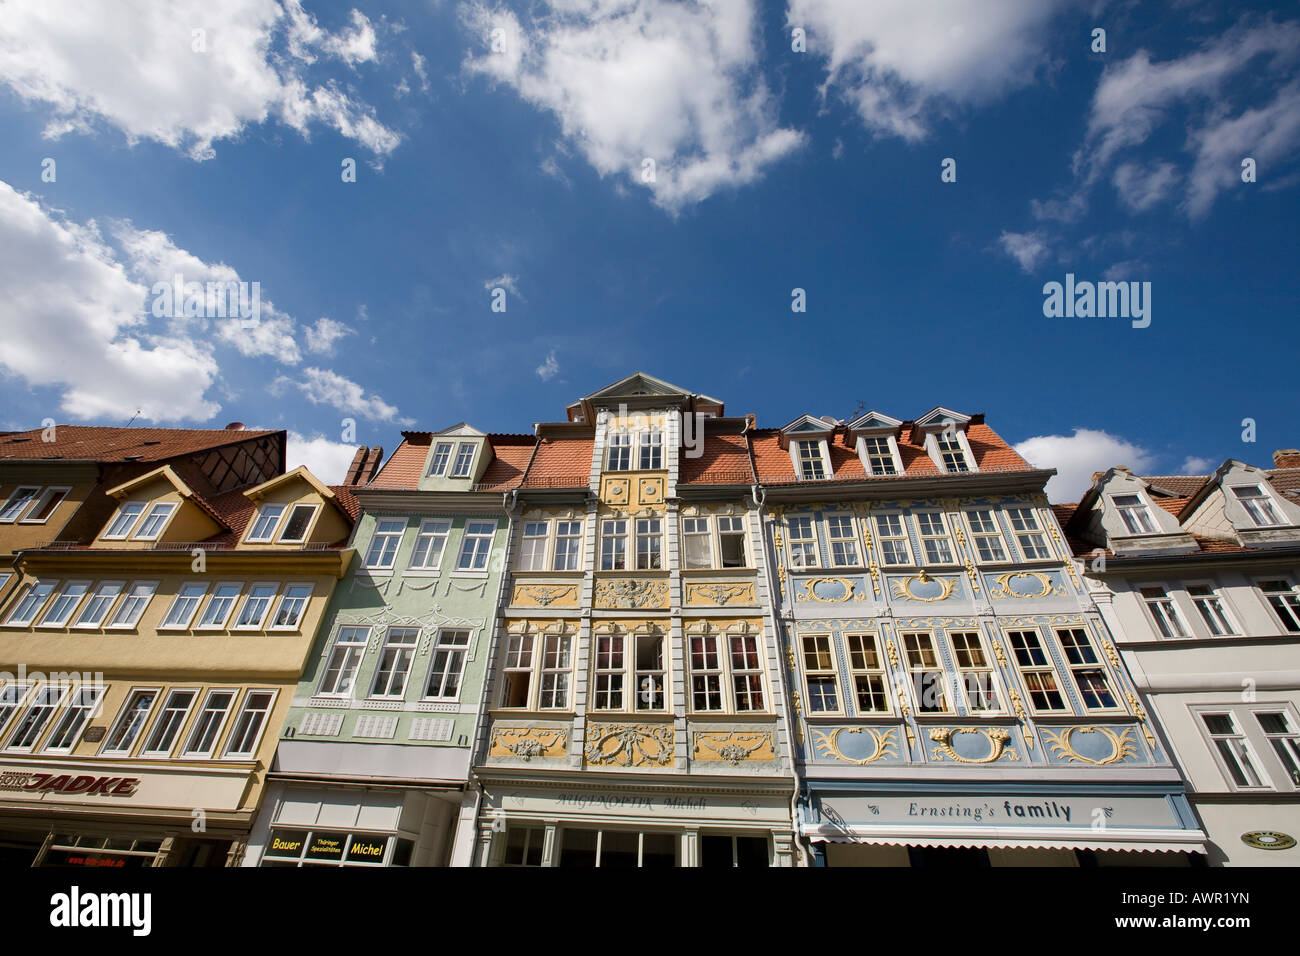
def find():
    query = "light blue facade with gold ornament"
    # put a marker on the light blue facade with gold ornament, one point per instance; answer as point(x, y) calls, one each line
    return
point(956, 697)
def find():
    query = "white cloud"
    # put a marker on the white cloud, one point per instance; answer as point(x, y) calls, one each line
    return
point(1141, 187)
point(1193, 465)
point(1130, 270)
point(327, 387)
point(74, 321)
point(637, 80)
point(505, 281)
point(1077, 457)
point(548, 369)
point(322, 336)
point(327, 460)
point(1027, 248)
point(141, 68)
point(899, 62)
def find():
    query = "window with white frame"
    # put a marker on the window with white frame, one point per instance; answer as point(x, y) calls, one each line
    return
point(257, 604)
point(880, 457)
point(926, 673)
point(697, 543)
point(1280, 731)
point(184, 605)
point(867, 668)
point(726, 673)
point(568, 546)
point(986, 535)
point(556, 663)
point(450, 649)
point(60, 610)
point(128, 513)
point(1285, 602)
point(40, 710)
point(649, 544)
point(1087, 670)
point(268, 516)
point(79, 707)
point(207, 726)
point(1210, 606)
point(616, 669)
point(430, 542)
point(935, 544)
point(974, 672)
point(152, 525)
point(648, 672)
point(619, 455)
point(1135, 514)
point(167, 726)
point(220, 605)
point(842, 536)
point(951, 452)
point(1037, 672)
point(476, 545)
point(49, 499)
point(33, 599)
point(250, 723)
point(731, 541)
point(130, 721)
point(136, 599)
point(296, 525)
point(464, 459)
point(532, 545)
point(517, 672)
point(610, 668)
point(12, 695)
point(652, 450)
point(19, 500)
point(811, 466)
point(820, 674)
point(1029, 534)
point(802, 539)
point(1233, 751)
point(345, 659)
point(384, 543)
point(613, 544)
point(439, 459)
point(395, 662)
point(96, 609)
point(1258, 505)
point(1160, 605)
point(292, 604)
point(891, 538)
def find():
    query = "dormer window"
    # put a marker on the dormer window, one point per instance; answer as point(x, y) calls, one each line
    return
point(1135, 514)
point(441, 456)
point(620, 452)
point(127, 516)
point(464, 458)
point(295, 527)
point(264, 527)
point(952, 453)
point(880, 457)
point(153, 523)
point(811, 466)
point(1258, 505)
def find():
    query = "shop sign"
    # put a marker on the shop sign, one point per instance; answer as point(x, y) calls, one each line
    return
point(66, 783)
point(286, 843)
point(326, 846)
point(1268, 840)
point(367, 848)
point(1095, 812)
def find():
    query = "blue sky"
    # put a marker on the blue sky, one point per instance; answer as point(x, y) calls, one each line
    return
point(504, 146)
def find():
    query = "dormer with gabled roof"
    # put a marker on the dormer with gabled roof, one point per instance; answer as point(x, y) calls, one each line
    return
point(874, 436)
point(944, 436)
point(295, 511)
point(1119, 513)
point(808, 439)
point(458, 456)
point(1238, 502)
point(158, 507)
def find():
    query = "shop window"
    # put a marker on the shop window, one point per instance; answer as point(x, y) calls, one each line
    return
point(736, 851)
point(524, 846)
point(582, 848)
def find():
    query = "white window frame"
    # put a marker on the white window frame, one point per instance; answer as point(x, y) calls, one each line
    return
point(187, 750)
point(120, 515)
point(849, 541)
point(240, 712)
point(29, 592)
point(155, 725)
point(1023, 670)
point(1219, 601)
point(127, 600)
point(980, 534)
point(984, 674)
point(813, 539)
point(41, 499)
point(957, 447)
point(109, 609)
point(440, 461)
point(249, 595)
point(400, 650)
point(880, 671)
point(477, 538)
point(902, 537)
point(555, 537)
point(67, 708)
point(213, 596)
point(26, 502)
point(106, 748)
point(942, 539)
point(618, 451)
point(1268, 504)
point(1289, 599)
point(137, 534)
point(1242, 753)
point(1170, 618)
point(800, 459)
point(387, 536)
point(742, 534)
point(261, 518)
point(202, 587)
point(288, 517)
point(285, 596)
point(650, 445)
point(1142, 511)
point(559, 646)
point(726, 672)
point(428, 530)
point(17, 705)
point(529, 542)
point(1287, 741)
point(69, 610)
point(649, 535)
point(618, 539)
point(817, 656)
point(1030, 535)
point(453, 652)
point(353, 652)
point(868, 456)
point(34, 700)
point(918, 670)
point(461, 466)
point(1096, 664)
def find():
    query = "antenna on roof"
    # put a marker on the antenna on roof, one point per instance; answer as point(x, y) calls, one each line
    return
point(133, 418)
point(862, 407)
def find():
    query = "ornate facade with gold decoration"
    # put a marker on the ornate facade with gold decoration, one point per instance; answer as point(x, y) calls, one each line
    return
point(957, 697)
point(635, 712)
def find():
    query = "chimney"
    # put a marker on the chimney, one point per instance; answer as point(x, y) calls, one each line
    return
point(1286, 458)
point(365, 464)
point(235, 427)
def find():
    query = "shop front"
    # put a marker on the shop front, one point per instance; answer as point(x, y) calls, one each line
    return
point(897, 823)
point(620, 823)
point(101, 815)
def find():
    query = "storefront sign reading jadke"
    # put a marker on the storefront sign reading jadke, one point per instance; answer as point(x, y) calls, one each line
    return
point(66, 783)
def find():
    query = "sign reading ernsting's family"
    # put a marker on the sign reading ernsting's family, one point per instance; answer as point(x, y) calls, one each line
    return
point(1096, 812)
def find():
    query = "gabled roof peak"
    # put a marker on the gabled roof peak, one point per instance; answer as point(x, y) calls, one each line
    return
point(942, 416)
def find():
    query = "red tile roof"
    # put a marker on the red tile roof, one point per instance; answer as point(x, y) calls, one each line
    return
point(512, 453)
point(343, 494)
point(97, 443)
point(724, 460)
point(405, 466)
point(560, 463)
